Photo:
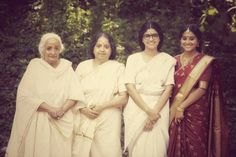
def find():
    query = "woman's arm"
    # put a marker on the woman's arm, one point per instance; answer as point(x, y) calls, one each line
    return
point(55, 112)
point(158, 107)
point(194, 96)
point(52, 111)
point(118, 102)
point(140, 102)
point(164, 98)
point(66, 107)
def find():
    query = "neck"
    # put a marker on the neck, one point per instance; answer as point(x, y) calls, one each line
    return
point(151, 52)
point(99, 62)
point(189, 53)
point(54, 64)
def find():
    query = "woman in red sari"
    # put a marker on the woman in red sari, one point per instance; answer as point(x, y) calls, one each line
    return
point(196, 120)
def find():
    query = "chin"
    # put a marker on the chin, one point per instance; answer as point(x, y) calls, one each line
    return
point(152, 47)
point(189, 50)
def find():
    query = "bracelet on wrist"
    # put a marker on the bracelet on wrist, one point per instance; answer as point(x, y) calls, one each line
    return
point(179, 109)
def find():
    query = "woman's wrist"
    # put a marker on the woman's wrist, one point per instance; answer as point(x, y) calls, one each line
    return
point(180, 109)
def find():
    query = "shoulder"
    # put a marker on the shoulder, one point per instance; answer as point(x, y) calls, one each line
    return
point(114, 62)
point(65, 62)
point(208, 57)
point(115, 65)
point(34, 62)
point(134, 56)
point(177, 56)
point(85, 63)
point(168, 57)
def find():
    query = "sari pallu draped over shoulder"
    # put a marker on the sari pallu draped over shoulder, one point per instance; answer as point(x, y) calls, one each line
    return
point(205, 136)
point(150, 79)
point(36, 134)
point(100, 84)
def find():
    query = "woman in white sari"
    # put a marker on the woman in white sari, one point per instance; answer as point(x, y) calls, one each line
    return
point(43, 122)
point(98, 131)
point(149, 78)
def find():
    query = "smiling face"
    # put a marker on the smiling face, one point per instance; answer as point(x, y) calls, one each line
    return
point(102, 49)
point(189, 42)
point(151, 39)
point(51, 52)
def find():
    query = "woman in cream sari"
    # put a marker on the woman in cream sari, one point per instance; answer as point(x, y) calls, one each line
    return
point(149, 78)
point(43, 122)
point(98, 131)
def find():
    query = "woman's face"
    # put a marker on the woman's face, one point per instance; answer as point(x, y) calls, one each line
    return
point(189, 41)
point(51, 52)
point(151, 39)
point(102, 49)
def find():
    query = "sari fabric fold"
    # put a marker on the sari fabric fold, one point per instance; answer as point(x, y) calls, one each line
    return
point(100, 84)
point(202, 132)
point(36, 134)
point(150, 79)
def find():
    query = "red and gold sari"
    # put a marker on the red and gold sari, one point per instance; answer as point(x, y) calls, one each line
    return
point(202, 131)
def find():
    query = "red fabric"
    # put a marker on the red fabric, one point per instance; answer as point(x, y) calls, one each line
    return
point(196, 135)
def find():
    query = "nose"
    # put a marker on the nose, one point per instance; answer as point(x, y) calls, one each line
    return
point(188, 41)
point(54, 51)
point(151, 38)
point(102, 48)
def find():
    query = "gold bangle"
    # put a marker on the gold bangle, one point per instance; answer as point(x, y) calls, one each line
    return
point(179, 109)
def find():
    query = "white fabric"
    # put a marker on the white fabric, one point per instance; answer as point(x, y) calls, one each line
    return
point(101, 135)
point(36, 134)
point(150, 79)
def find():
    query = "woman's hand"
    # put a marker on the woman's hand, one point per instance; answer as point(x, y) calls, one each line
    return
point(98, 108)
point(56, 112)
point(149, 124)
point(60, 113)
point(153, 116)
point(179, 115)
point(89, 112)
point(151, 121)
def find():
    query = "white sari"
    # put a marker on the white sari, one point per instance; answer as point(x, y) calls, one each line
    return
point(99, 137)
point(36, 134)
point(150, 80)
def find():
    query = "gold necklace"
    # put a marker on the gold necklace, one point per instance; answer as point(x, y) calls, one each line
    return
point(186, 60)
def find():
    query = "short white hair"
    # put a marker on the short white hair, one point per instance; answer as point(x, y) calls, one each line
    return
point(44, 40)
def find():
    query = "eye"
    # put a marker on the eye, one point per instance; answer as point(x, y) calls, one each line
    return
point(107, 46)
point(154, 35)
point(57, 48)
point(192, 38)
point(98, 45)
point(48, 48)
point(184, 38)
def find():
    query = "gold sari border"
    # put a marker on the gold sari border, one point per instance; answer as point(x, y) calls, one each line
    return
point(189, 83)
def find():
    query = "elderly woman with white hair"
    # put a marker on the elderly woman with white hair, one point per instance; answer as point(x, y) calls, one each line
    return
point(48, 90)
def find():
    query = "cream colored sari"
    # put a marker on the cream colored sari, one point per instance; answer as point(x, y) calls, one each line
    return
point(99, 137)
point(150, 80)
point(36, 134)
